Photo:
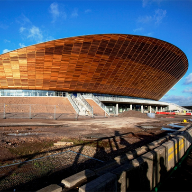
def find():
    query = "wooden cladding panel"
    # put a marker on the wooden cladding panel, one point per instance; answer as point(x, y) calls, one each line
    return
point(110, 63)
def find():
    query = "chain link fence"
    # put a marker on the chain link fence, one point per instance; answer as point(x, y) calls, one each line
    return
point(35, 111)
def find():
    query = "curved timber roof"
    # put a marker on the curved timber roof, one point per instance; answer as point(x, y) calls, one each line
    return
point(116, 64)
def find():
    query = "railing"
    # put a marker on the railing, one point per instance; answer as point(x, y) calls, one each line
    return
point(182, 108)
point(121, 99)
point(98, 102)
point(36, 111)
point(85, 103)
point(72, 103)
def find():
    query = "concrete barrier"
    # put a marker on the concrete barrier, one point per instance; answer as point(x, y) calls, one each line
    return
point(106, 182)
point(139, 170)
point(78, 178)
point(51, 188)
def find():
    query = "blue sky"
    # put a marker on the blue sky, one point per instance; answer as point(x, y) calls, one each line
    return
point(24, 23)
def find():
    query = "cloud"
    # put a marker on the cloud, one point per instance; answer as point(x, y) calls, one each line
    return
point(156, 18)
point(74, 13)
point(87, 10)
point(21, 29)
point(149, 34)
point(188, 79)
point(6, 50)
point(138, 29)
point(180, 100)
point(3, 26)
point(55, 12)
point(188, 90)
point(144, 2)
point(49, 38)
point(23, 20)
point(35, 34)
point(21, 45)
point(7, 41)
point(147, 2)
point(145, 19)
point(159, 15)
point(173, 89)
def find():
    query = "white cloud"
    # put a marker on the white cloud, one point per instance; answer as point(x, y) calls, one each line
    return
point(87, 10)
point(56, 13)
point(21, 45)
point(3, 26)
point(159, 15)
point(173, 89)
point(49, 38)
point(7, 41)
point(6, 50)
point(145, 19)
point(23, 20)
point(147, 2)
point(188, 79)
point(188, 90)
point(144, 2)
point(138, 29)
point(21, 29)
point(149, 34)
point(35, 34)
point(156, 18)
point(74, 13)
point(180, 100)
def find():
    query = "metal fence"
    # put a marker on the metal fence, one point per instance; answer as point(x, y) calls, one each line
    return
point(34, 111)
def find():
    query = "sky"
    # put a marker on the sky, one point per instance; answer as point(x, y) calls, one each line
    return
point(28, 22)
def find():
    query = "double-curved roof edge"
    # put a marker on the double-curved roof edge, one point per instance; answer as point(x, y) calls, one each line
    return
point(116, 64)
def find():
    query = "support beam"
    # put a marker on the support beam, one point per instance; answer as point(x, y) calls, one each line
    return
point(156, 109)
point(150, 109)
point(131, 107)
point(141, 108)
point(117, 109)
point(161, 108)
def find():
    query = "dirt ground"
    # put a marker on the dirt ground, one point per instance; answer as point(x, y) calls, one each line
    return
point(19, 132)
point(101, 139)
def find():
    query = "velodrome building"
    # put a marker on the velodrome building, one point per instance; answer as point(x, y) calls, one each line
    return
point(117, 71)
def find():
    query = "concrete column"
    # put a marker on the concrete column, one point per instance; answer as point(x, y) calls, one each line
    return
point(117, 108)
point(131, 107)
point(141, 108)
point(150, 109)
point(161, 109)
point(156, 109)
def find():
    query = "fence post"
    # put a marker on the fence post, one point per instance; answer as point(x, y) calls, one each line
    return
point(29, 111)
point(77, 116)
point(92, 112)
point(54, 111)
point(4, 112)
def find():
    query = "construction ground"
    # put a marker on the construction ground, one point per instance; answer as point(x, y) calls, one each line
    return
point(84, 143)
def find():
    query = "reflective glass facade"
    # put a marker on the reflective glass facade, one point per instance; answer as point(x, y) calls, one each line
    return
point(5, 92)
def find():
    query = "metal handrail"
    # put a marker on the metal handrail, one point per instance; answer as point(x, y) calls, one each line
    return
point(85, 103)
point(98, 102)
point(72, 103)
point(120, 99)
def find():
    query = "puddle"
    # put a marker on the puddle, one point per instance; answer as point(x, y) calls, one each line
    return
point(176, 126)
point(168, 129)
point(22, 134)
point(148, 127)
